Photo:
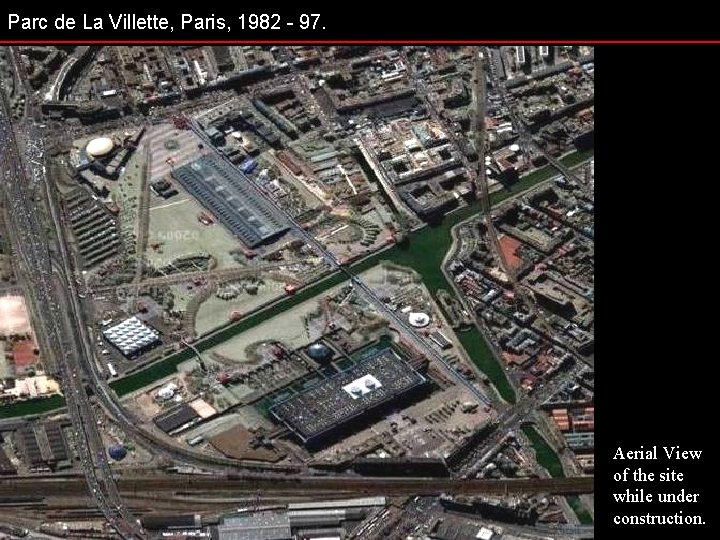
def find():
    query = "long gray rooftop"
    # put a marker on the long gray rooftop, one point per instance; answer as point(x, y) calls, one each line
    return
point(226, 192)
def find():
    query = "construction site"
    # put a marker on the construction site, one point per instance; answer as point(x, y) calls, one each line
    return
point(332, 345)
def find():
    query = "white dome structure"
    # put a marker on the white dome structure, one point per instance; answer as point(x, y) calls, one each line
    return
point(514, 147)
point(419, 320)
point(100, 146)
point(167, 392)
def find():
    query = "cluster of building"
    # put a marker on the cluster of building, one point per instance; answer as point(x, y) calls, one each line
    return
point(559, 108)
point(103, 82)
point(39, 62)
point(332, 170)
point(540, 104)
point(291, 112)
point(546, 246)
point(238, 115)
point(505, 159)
point(571, 412)
point(22, 373)
point(146, 73)
point(446, 518)
point(494, 518)
point(516, 61)
point(368, 82)
point(307, 520)
point(444, 74)
point(345, 397)
point(94, 227)
point(577, 425)
point(521, 63)
point(417, 162)
point(156, 75)
point(35, 447)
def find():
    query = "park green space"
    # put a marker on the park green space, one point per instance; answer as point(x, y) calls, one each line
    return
point(423, 251)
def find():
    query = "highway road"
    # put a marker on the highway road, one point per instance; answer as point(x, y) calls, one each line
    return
point(53, 93)
point(44, 279)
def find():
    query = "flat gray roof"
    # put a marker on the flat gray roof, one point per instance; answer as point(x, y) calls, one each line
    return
point(226, 192)
point(258, 526)
point(345, 396)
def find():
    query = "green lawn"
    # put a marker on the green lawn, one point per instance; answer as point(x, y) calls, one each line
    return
point(34, 406)
point(580, 511)
point(546, 456)
point(548, 459)
point(168, 365)
point(575, 158)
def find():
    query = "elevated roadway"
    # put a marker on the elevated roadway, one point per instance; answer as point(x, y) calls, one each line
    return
point(45, 279)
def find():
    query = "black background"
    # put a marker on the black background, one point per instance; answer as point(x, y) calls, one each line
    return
point(387, 21)
point(655, 294)
point(655, 219)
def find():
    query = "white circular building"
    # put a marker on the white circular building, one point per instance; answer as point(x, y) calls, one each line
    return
point(515, 147)
point(167, 392)
point(100, 147)
point(419, 320)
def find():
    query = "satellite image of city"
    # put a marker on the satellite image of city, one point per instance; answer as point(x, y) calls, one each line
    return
point(297, 292)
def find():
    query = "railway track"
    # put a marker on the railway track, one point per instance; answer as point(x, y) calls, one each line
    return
point(289, 485)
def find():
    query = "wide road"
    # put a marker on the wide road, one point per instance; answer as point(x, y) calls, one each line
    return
point(45, 282)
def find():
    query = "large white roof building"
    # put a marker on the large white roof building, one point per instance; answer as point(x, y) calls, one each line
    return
point(131, 335)
point(101, 146)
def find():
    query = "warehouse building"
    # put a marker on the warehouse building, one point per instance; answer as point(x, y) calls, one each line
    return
point(132, 337)
point(177, 419)
point(320, 412)
point(227, 194)
point(42, 447)
point(257, 526)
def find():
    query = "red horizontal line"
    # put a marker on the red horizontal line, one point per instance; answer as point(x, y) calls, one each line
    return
point(360, 42)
